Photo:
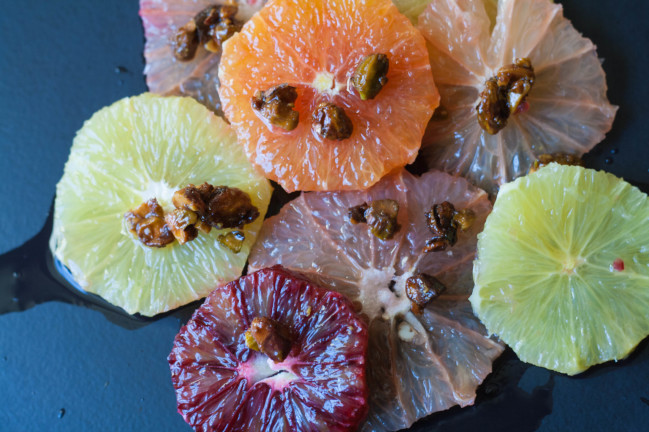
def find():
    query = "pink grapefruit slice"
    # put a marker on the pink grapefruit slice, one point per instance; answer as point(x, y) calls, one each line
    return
point(566, 110)
point(417, 363)
point(164, 73)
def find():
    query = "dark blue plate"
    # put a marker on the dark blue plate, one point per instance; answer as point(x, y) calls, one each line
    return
point(69, 368)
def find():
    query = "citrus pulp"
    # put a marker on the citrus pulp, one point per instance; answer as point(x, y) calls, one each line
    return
point(562, 274)
point(137, 149)
point(418, 363)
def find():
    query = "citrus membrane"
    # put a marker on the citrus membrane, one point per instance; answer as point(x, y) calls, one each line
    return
point(566, 110)
point(222, 384)
point(316, 47)
point(417, 363)
point(413, 8)
point(140, 148)
point(167, 75)
point(562, 274)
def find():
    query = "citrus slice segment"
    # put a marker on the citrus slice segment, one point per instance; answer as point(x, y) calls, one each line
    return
point(222, 384)
point(414, 8)
point(417, 363)
point(562, 274)
point(164, 73)
point(566, 109)
point(136, 149)
point(316, 47)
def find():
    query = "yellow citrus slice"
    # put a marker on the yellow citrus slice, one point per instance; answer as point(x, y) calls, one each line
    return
point(136, 149)
point(562, 274)
point(566, 109)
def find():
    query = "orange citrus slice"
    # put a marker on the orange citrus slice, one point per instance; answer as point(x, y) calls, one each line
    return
point(565, 111)
point(316, 47)
point(418, 363)
point(166, 75)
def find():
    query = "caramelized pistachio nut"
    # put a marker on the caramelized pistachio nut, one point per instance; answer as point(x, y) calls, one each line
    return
point(182, 223)
point(148, 224)
point(492, 108)
point(233, 240)
point(421, 289)
point(269, 337)
point(331, 122)
point(503, 94)
point(276, 106)
point(210, 27)
point(229, 208)
point(380, 216)
point(443, 222)
point(185, 42)
point(371, 75)
point(215, 24)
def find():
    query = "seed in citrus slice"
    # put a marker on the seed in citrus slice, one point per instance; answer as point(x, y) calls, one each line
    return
point(562, 274)
point(167, 75)
point(316, 47)
point(566, 110)
point(221, 384)
point(417, 363)
point(140, 148)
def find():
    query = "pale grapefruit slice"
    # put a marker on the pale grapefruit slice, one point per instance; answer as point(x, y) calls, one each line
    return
point(316, 48)
point(164, 73)
point(221, 384)
point(417, 363)
point(565, 111)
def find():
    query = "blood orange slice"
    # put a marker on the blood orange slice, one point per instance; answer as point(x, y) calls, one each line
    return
point(316, 48)
point(167, 75)
point(566, 109)
point(417, 363)
point(221, 384)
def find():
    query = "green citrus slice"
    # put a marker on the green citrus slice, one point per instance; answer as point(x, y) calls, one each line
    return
point(562, 274)
point(136, 149)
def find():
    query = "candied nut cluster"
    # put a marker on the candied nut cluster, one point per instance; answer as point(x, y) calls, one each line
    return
point(421, 289)
point(443, 221)
point(560, 158)
point(379, 215)
point(196, 209)
point(269, 337)
point(503, 94)
point(210, 27)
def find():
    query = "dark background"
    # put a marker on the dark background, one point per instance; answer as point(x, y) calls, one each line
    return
point(65, 367)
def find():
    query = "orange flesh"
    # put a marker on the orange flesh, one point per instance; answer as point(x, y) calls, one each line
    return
point(309, 44)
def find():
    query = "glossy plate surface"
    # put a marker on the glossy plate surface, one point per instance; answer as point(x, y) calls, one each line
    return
point(68, 368)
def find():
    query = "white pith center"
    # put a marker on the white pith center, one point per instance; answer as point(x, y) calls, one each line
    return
point(378, 299)
point(261, 369)
point(161, 191)
point(326, 83)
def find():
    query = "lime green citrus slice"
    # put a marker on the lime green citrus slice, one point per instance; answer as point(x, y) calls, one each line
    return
point(136, 149)
point(562, 274)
